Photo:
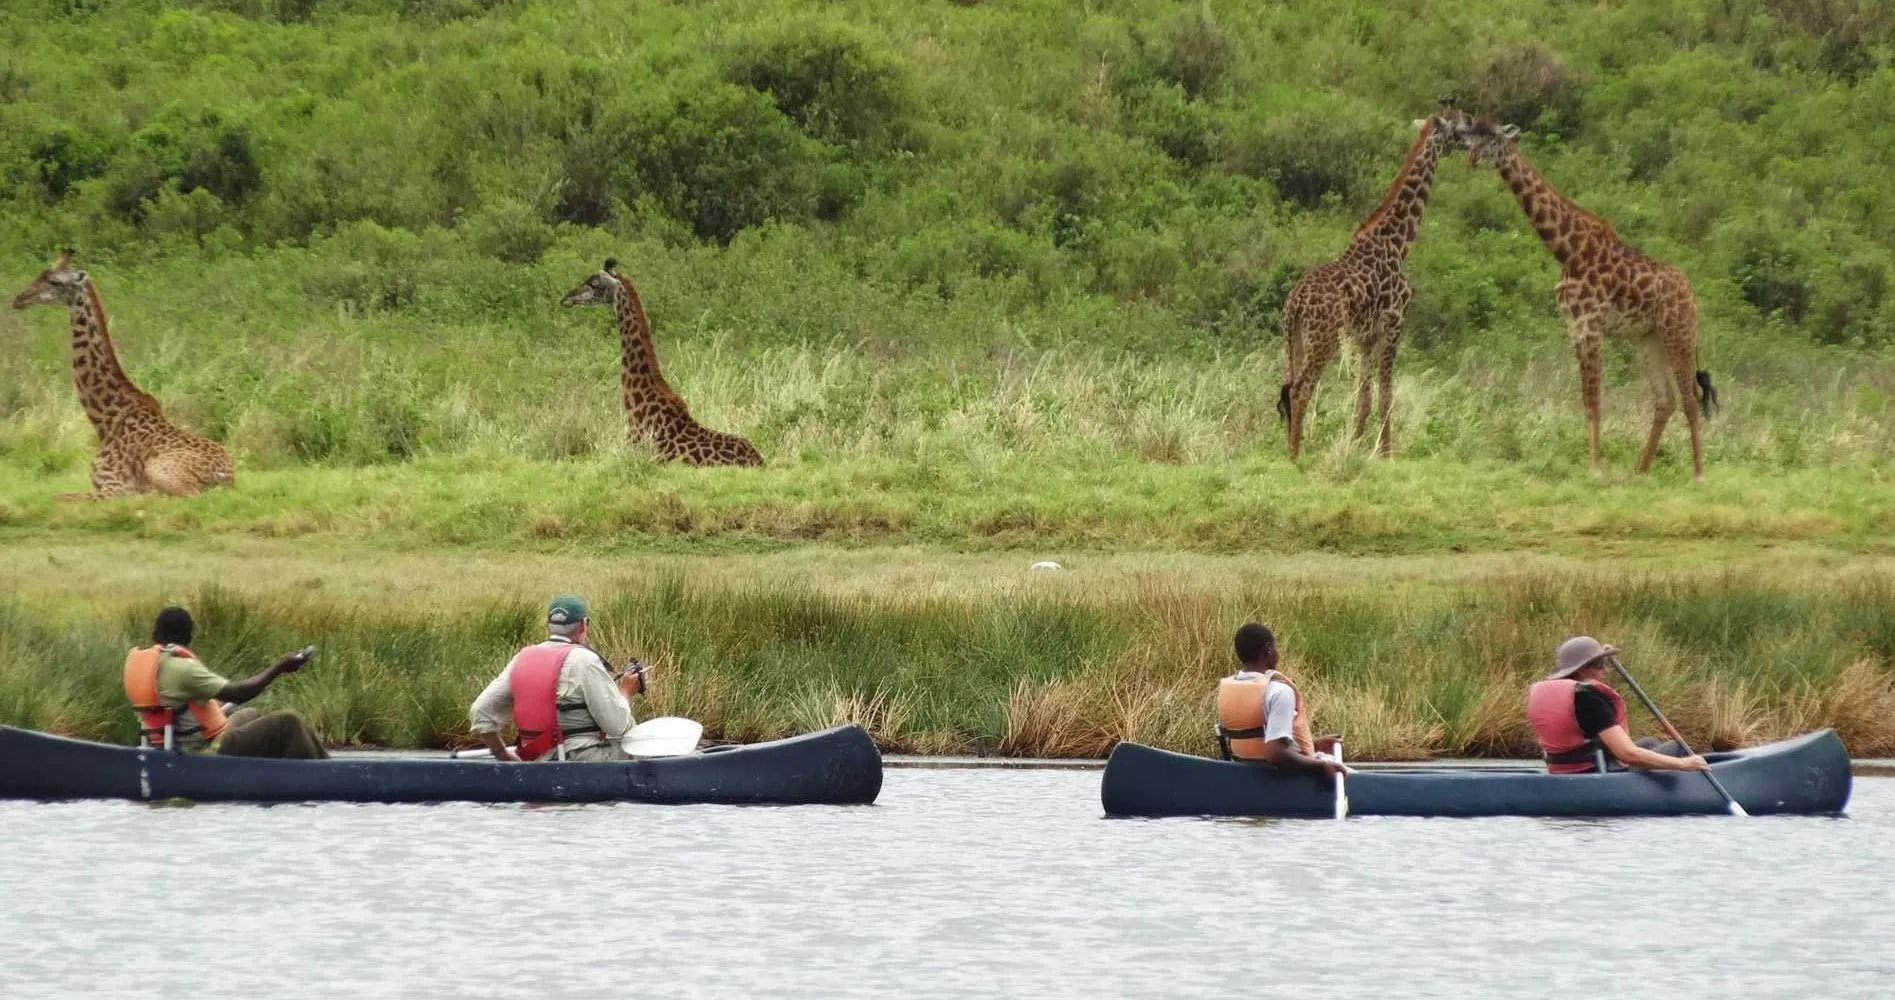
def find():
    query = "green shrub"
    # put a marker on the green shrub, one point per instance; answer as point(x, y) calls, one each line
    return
point(834, 84)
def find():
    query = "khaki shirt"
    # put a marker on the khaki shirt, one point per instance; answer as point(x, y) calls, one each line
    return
point(583, 678)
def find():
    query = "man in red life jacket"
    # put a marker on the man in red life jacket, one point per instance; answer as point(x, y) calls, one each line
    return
point(1261, 715)
point(559, 695)
point(181, 702)
point(1580, 720)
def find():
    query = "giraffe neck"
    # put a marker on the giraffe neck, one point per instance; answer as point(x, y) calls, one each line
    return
point(1395, 222)
point(637, 356)
point(1561, 224)
point(104, 389)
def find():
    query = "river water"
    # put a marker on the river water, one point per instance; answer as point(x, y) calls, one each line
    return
point(960, 883)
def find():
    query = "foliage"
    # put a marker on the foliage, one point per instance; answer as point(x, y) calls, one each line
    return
point(1045, 670)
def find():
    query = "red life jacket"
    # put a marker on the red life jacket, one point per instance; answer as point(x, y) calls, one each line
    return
point(534, 682)
point(1550, 712)
point(157, 720)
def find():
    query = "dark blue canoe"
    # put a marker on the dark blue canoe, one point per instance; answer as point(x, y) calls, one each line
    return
point(835, 767)
point(1808, 774)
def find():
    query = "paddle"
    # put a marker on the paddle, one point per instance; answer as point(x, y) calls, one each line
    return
point(1342, 794)
point(1729, 799)
point(665, 736)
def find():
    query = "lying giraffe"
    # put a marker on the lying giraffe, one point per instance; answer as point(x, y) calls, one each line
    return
point(1608, 289)
point(655, 412)
point(139, 450)
point(1361, 295)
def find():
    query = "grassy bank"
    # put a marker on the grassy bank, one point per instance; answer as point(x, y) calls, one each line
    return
point(1043, 665)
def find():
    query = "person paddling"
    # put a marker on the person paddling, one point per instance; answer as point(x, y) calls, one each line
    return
point(559, 695)
point(1579, 719)
point(181, 702)
point(1261, 716)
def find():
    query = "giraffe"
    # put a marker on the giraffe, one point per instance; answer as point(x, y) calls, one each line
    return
point(1361, 294)
point(1607, 289)
point(139, 450)
point(654, 411)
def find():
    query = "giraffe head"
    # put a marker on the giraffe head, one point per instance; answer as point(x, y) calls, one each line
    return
point(58, 285)
point(599, 288)
point(1486, 141)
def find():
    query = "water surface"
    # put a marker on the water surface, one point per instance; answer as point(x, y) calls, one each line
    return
point(959, 884)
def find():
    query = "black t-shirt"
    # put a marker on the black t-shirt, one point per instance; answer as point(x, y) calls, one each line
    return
point(1594, 711)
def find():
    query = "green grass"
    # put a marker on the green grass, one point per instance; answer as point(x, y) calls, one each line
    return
point(1032, 664)
point(984, 283)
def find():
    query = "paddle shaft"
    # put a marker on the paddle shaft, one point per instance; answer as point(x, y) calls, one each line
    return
point(1652, 707)
point(1342, 795)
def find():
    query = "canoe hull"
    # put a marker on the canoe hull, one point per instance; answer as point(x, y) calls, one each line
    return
point(835, 767)
point(1807, 774)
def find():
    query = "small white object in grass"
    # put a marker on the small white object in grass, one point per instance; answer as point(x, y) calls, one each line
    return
point(1046, 564)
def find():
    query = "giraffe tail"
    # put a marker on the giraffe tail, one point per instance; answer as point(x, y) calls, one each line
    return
point(1283, 403)
point(1707, 396)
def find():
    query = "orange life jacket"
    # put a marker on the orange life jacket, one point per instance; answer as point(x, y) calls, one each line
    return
point(156, 720)
point(534, 682)
point(1240, 715)
point(1566, 747)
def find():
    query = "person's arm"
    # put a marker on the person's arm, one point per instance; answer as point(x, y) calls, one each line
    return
point(1619, 743)
point(1279, 743)
point(238, 692)
point(498, 747)
point(491, 711)
point(606, 704)
point(1283, 753)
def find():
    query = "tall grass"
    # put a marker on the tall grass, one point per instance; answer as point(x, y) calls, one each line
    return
point(1402, 671)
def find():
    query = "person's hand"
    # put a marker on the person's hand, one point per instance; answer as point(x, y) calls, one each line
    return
point(507, 756)
point(292, 662)
point(1327, 744)
point(1332, 768)
point(1693, 763)
point(635, 679)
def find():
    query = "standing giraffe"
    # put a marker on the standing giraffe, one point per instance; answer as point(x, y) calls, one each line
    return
point(139, 450)
point(654, 411)
point(1361, 294)
point(1608, 289)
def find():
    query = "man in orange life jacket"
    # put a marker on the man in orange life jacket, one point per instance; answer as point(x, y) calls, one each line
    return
point(1261, 715)
point(170, 687)
point(559, 695)
point(1580, 720)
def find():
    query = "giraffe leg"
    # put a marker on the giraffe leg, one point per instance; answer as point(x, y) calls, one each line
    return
point(1293, 357)
point(1586, 346)
point(1681, 351)
point(1364, 374)
point(1322, 350)
point(1664, 399)
point(1385, 444)
point(109, 478)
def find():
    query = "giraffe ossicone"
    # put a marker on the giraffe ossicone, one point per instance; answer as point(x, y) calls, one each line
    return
point(139, 450)
point(653, 411)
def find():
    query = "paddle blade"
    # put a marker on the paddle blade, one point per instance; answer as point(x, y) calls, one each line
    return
point(666, 736)
point(1737, 810)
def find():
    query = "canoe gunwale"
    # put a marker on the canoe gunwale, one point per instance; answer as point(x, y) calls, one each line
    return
point(838, 766)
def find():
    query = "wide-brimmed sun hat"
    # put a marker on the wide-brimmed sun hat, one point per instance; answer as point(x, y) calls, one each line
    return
point(1578, 653)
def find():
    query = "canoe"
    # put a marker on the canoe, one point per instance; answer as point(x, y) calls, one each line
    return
point(1806, 774)
point(835, 767)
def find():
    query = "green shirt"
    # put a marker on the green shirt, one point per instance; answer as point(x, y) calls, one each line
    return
point(180, 680)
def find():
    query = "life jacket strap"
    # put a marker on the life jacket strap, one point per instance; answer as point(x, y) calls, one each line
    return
point(1586, 754)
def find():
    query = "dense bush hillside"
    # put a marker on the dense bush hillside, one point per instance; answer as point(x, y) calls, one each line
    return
point(1185, 160)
